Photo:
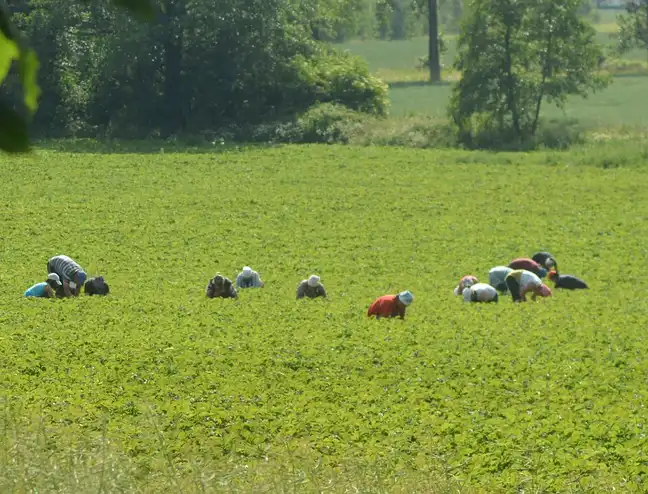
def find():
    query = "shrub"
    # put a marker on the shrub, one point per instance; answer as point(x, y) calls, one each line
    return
point(413, 132)
point(624, 67)
point(483, 133)
point(559, 134)
point(335, 77)
point(328, 123)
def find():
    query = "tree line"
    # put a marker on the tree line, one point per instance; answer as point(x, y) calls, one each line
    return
point(196, 65)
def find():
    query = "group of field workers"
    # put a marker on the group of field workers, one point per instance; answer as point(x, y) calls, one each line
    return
point(220, 286)
point(312, 287)
point(521, 277)
point(66, 278)
point(223, 287)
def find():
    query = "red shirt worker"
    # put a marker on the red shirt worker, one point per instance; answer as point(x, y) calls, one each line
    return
point(391, 305)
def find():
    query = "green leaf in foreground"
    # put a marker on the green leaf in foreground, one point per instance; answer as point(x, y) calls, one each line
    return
point(14, 137)
point(9, 52)
point(28, 78)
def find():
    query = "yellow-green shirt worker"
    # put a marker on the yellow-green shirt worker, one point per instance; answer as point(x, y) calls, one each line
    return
point(520, 282)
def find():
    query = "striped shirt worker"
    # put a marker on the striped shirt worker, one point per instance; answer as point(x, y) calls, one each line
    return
point(69, 272)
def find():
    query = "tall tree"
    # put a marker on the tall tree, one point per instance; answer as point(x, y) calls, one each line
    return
point(433, 41)
point(513, 56)
point(173, 103)
point(633, 26)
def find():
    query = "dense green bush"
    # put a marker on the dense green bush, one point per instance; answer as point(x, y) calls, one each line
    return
point(413, 132)
point(483, 133)
point(559, 133)
point(272, 88)
point(336, 77)
point(196, 68)
point(328, 123)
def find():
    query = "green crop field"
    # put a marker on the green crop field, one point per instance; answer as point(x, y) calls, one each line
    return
point(623, 103)
point(157, 388)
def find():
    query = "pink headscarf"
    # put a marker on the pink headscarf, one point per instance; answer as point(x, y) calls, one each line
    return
point(545, 291)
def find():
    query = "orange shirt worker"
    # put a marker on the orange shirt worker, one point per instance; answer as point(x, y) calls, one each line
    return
point(391, 305)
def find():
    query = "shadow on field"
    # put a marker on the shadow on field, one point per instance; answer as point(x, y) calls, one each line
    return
point(147, 146)
point(406, 84)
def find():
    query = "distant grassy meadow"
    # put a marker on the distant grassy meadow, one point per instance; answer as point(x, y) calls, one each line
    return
point(157, 388)
point(622, 103)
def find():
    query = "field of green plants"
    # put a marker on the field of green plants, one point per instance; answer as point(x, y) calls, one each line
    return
point(157, 388)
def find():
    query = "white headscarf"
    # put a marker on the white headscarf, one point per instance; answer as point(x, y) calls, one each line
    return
point(313, 280)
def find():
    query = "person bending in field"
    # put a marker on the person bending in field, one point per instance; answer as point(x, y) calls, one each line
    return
point(391, 305)
point(566, 281)
point(480, 292)
point(222, 287)
point(311, 288)
point(465, 282)
point(546, 260)
point(520, 282)
point(249, 278)
point(46, 289)
point(497, 278)
point(71, 274)
point(528, 265)
point(96, 286)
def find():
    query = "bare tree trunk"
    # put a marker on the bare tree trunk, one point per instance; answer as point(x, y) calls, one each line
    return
point(433, 53)
point(510, 84)
point(173, 95)
point(547, 72)
point(398, 20)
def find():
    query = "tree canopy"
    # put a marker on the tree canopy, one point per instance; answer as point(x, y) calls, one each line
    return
point(513, 55)
point(191, 67)
point(94, 68)
point(633, 26)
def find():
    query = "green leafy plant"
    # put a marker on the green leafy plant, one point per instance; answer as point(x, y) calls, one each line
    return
point(13, 126)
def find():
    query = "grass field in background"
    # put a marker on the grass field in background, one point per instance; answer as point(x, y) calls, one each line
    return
point(403, 54)
point(623, 103)
point(155, 388)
